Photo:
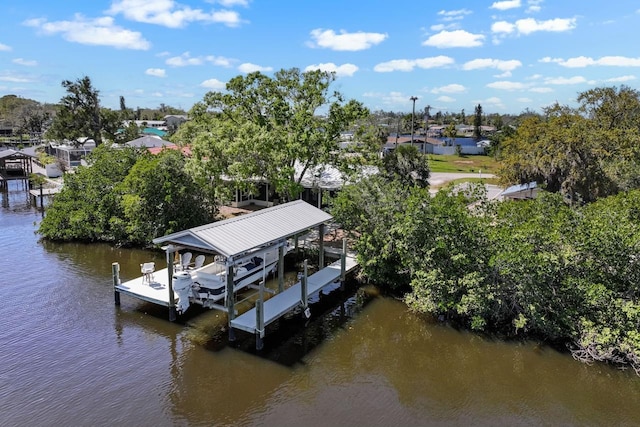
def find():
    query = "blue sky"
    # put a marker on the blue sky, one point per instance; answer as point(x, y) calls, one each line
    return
point(506, 55)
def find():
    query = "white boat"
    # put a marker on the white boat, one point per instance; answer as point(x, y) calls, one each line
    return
point(208, 284)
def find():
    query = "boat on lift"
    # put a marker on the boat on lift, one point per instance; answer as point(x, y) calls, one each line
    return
point(207, 285)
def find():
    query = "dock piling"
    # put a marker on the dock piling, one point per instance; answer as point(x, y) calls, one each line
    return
point(231, 310)
point(172, 300)
point(259, 325)
point(115, 273)
point(343, 263)
point(321, 229)
point(280, 269)
point(304, 297)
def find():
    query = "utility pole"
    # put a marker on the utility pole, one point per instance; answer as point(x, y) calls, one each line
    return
point(413, 114)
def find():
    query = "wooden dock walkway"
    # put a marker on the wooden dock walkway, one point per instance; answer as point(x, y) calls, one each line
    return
point(285, 301)
point(45, 191)
point(156, 292)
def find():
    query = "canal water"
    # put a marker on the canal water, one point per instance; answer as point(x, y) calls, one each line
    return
point(69, 357)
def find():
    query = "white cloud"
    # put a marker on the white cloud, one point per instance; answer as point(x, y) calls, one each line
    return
point(524, 100)
point(185, 59)
point(98, 31)
point(527, 26)
point(540, 89)
point(503, 27)
point(344, 41)
point(445, 98)
point(13, 78)
point(530, 25)
point(506, 66)
point(507, 85)
point(451, 88)
point(506, 4)
point(232, 3)
point(156, 72)
point(248, 67)
point(170, 14)
point(25, 62)
point(565, 81)
point(213, 84)
point(585, 61)
point(456, 38)
point(494, 100)
point(454, 15)
point(410, 64)
point(344, 70)
point(621, 79)
point(4, 48)
point(391, 98)
point(395, 65)
point(434, 62)
point(534, 6)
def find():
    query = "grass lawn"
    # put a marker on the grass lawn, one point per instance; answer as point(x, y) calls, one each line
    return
point(454, 163)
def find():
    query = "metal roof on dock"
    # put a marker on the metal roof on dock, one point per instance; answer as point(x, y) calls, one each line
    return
point(242, 234)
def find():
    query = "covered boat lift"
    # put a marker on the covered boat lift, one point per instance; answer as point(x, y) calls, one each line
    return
point(237, 239)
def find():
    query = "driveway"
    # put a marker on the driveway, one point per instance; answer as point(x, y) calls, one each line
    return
point(438, 178)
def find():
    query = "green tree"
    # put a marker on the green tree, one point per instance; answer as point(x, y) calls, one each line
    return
point(88, 204)
point(158, 197)
point(407, 165)
point(477, 122)
point(268, 128)
point(450, 132)
point(126, 196)
point(563, 152)
point(79, 116)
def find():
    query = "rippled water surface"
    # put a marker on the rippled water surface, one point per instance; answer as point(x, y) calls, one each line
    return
point(70, 357)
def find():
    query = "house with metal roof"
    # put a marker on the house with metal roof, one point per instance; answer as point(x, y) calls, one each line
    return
point(521, 191)
point(14, 165)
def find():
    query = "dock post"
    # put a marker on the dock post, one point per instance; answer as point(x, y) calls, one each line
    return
point(343, 263)
point(115, 273)
point(280, 269)
point(41, 198)
point(172, 299)
point(231, 311)
point(259, 325)
point(303, 288)
point(321, 244)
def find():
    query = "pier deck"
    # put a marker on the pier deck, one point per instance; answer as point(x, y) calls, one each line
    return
point(156, 292)
point(290, 298)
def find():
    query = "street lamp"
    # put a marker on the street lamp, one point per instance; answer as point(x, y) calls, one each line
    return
point(413, 98)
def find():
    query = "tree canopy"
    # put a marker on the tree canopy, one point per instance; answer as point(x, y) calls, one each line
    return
point(127, 197)
point(269, 128)
point(584, 153)
point(540, 268)
point(78, 115)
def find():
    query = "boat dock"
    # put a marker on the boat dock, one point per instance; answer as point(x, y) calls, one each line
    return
point(255, 320)
point(237, 243)
point(156, 291)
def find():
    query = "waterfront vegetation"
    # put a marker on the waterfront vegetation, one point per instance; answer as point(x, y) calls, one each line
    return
point(564, 268)
point(127, 197)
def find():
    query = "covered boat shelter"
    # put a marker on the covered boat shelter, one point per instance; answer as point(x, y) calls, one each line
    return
point(240, 238)
point(14, 165)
